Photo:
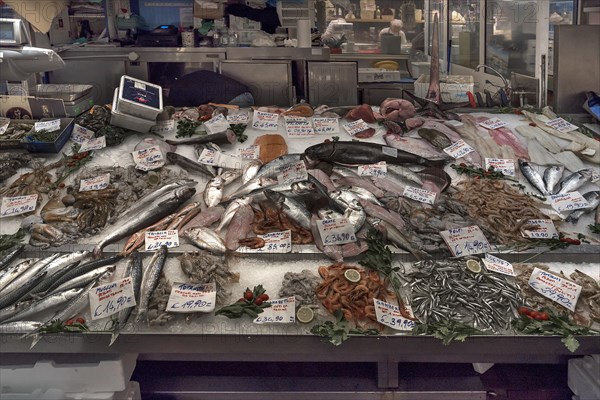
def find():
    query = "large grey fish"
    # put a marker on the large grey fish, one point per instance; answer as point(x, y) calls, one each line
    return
point(533, 177)
point(239, 227)
point(206, 239)
point(135, 270)
point(45, 303)
point(290, 207)
point(397, 237)
point(575, 181)
point(10, 255)
point(354, 211)
point(273, 168)
point(14, 271)
point(552, 176)
point(231, 210)
point(190, 165)
point(150, 280)
point(155, 210)
point(593, 198)
point(29, 273)
point(436, 138)
point(97, 274)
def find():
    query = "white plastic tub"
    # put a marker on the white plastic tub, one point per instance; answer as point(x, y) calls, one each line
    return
point(118, 118)
point(139, 98)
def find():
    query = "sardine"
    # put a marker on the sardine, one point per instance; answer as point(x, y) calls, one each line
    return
point(150, 280)
point(48, 302)
point(397, 237)
point(240, 227)
point(354, 212)
point(575, 181)
point(29, 273)
point(213, 192)
point(135, 270)
point(290, 207)
point(251, 170)
point(10, 255)
point(206, 239)
point(97, 274)
point(190, 165)
point(552, 176)
point(13, 272)
point(593, 198)
point(231, 210)
point(533, 177)
point(436, 138)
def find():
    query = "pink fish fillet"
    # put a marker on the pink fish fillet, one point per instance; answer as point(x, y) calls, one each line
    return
point(505, 137)
point(382, 213)
point(239, 227)
point(415, 146)
point(205, 218)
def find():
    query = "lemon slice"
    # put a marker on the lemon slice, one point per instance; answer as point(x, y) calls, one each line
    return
point(474, 266)
point(352, 275)
point(305, 314)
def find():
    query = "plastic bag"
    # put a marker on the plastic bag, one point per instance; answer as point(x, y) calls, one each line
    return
point(263, 39)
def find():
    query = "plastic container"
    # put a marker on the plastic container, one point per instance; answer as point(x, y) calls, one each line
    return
point(377, 75)
point(66, 127)
point(139, 98)
point(453, 88)
point(241, 23)
point(118, 118)
point(584, 377)
point(16, 143)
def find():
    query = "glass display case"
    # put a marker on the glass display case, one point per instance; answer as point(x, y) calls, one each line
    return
point(463, 32)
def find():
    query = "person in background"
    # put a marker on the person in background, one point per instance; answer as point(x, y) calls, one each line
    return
point(330, 30)
point(257, 10)
point(395, 29)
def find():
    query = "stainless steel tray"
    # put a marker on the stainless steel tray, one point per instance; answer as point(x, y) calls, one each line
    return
point(63, 91)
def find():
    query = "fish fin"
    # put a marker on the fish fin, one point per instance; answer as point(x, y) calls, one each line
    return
point(113, 337)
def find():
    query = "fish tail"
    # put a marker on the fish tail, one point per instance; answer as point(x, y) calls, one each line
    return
point(114, 336)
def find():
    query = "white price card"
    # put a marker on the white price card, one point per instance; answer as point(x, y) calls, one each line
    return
point(18, 205)
point(458, 149)
point(148, 159)
point(420, 195)
point(355, 127)
point(208, 157)
point(389, 315)
point(216, 124)
point(192, 297)
point(557, 289)
point(93, 144)
point(241, 118)
point(275, 242)
point(96, 183)
point(298, 127)
point(389, 151)
point(81, 134)
point(265, 121)
point(493, 123)
point(282, 311)
point(498, 265)
point(561, 125)
point(466, 241)
point(291, 173)
point(379, 169)
point(49, 126)
point(217, 159)
point(154, 240)
point(568, 202)
point(504, 165)
point(111, 298)
point(336, 231)
point(539, 229)
point(163, 127)
point(249, 153)
point(326, 126)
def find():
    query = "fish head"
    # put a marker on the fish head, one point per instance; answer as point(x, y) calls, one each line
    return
point(171, 157)
point(317, 152)
point(585, 173)
point(184, 193)
point(274, 196)
point(302, 187)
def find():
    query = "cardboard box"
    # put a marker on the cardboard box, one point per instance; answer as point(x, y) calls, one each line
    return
point(378, 75)
point(207, 9)
point(453, 88)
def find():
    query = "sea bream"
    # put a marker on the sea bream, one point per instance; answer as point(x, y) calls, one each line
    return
point(533, 177)
point(593, 198)
point(552, 176)
point(206, 239)
point(575, 181)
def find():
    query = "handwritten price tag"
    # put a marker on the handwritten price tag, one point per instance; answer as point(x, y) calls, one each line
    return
point(295, 172)
point(18, 205)
point(81, 134)
point(389, 315)
point(493, 123)
point(96, 183)
point(379, 169)
point(420, 195)
point(49, 126)
point(498, 265)
point(217, 159)
point(557, 289)
point(540, 229)
point(336, 231)
point(466, 241)
point(504, 165)
point(282, 311)
point(249, 153)
point(93, 144)
point(298, 127)
point(561, 125)
point(568, 201)
point(154, 240)
point(275, 242)
point(355, 127)
point(217, 124)
point(111, 298)
point(242, 118)
point(326, 125)
point(148, 159)
point(192, 297)
point(265, 121)
point(458, 149)
point(390, 151)
point(163, 127)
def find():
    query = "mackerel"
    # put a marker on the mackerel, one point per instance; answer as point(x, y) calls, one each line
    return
point(150, 281)
point(45, 303)
point(10, 255)
point(533, 177)
point(134, 270)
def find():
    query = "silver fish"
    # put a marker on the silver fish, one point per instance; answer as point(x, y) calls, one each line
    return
point(19, 292)
point(552, 176)
point(45, 303)
point(593, 198)
point(29, 273)
point(14, 271)
point(378, 212)
point(135, 270)
point(290, 207)
point(354, 212)
point(362, 182)
point(10, 255)
point(213, 192)
point(575, 181)
point(273, 168)
point(404, 172)
point(82, 280)
point(231, 210)
point(251, 186)
point(20, 327)
point(190, 165)
point(150, 279)
point(326, 213)
point(364, 194)
point(251, 170)
point(533, 177)
point(397, 237)
point(11, 310)
point(206, 239)
point(344, 172)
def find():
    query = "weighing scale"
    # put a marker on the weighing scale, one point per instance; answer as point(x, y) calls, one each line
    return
point(161, 36)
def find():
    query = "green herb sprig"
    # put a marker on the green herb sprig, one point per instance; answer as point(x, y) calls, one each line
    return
point(595, 228)
point(8, 241)
point(239, 129)
point(245, 306)
point(480, 173)
point(447, 331)
point(338, 332)
point(186, 128)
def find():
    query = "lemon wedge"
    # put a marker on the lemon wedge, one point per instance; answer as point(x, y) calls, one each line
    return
point(305, 314)
point(474, 266)
point(352, 275)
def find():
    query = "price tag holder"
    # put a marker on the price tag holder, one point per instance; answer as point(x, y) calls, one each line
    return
point(539, 229)
point(466, 241)
point(557, 289)
point(265, 121)
point(298, 127)
point(336, 231)
point(379, 169)
point(390, 151)
point(217, 124)
point(282, 311)
point(49, 126)
point(355, 127)
point(93, 144)
point(148, 159)
point(420, 195)
point(458, 149)
point(568, 202)
point(326, 125)
point(111, 298)
point(561, 125)
point(249, 153)
point(291, 173)
point(504, 165)
point(154, 240)
point(81, 134)
point(275, 242)
point(192, 297)
point(498, 265)
point(18, 205)
point(163, 127)
point(493, 123)
point(389, 315)
point(241, 118)
point(96, 183)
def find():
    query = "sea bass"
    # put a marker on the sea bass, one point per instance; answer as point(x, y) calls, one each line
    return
point(575, 181)
point(552, 176)
point(533, 177)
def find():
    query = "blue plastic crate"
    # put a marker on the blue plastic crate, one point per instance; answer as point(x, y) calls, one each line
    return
point(66, 126)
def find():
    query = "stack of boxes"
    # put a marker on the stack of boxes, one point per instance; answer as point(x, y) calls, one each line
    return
point(136, 104)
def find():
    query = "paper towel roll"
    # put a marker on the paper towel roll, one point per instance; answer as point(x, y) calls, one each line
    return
point(303, 33)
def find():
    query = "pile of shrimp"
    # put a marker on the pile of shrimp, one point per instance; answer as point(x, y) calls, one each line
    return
point(355, 300)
